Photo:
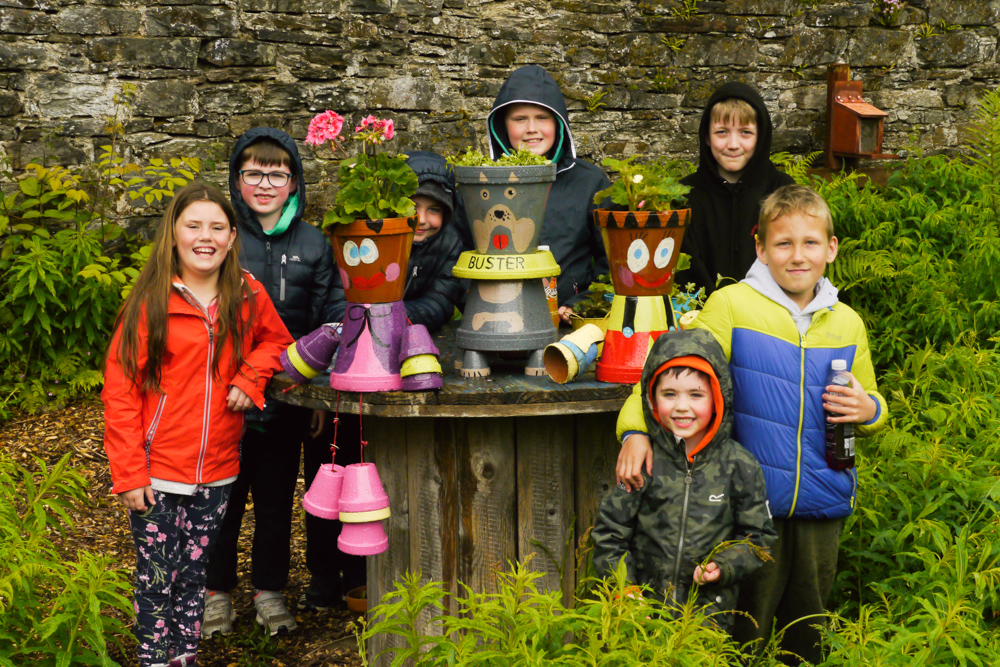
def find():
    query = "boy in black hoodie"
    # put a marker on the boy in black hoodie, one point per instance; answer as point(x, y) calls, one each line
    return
point(295, 263)
point(734, 175)
point(530, 110)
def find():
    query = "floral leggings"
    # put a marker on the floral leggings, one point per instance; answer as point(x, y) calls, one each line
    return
point(172, 541)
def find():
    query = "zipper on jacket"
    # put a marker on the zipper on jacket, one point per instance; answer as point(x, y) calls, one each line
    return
point(798, 435)
point(281, 290)
point(199, 472)
point(151, 432)
point(684, 518)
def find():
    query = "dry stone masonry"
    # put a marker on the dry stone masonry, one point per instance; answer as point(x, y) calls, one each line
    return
point(636, 73)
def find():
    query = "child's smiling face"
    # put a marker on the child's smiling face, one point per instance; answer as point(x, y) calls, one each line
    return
point(796, 250)
point(202, 239)
point(684, 405)
point(732, 144)
point(264, 198)
point(430, 216)
point(533, 126)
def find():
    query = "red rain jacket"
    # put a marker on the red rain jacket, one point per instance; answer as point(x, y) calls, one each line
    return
point(187, 434)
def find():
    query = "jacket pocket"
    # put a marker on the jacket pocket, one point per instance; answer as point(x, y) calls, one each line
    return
point(151, 431)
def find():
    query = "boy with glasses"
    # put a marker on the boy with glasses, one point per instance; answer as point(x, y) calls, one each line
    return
point(295, 264)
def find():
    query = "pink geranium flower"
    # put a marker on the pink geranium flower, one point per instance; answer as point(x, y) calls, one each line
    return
point(324, 127)
point(388, 130)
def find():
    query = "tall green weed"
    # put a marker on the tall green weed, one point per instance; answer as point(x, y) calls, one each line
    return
point(53, 612)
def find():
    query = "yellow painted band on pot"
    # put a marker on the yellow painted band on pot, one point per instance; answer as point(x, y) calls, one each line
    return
point(364, 517)
point(300, 365)
point(539, 264)
point(421, 363)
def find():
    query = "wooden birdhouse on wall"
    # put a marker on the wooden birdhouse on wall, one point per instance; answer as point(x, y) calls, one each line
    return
point(854, 127)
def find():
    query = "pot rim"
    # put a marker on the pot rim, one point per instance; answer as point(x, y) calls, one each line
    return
point(640, 219)
point(500, 175)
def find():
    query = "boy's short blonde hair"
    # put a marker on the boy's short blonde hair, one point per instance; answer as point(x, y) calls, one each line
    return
point(790, 199)
point(733, 109)
point(266, 153)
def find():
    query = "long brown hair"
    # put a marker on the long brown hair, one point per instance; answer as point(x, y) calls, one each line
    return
point(152, 290)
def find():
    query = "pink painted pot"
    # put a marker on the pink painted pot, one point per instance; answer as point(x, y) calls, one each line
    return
point(363, 539)
point(323, 497)
point(363, 490)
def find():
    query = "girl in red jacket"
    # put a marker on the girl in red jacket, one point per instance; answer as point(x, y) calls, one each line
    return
point(194, 346)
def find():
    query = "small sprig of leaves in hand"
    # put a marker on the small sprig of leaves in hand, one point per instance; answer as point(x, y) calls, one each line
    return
point(473, 158)
point(650, 186)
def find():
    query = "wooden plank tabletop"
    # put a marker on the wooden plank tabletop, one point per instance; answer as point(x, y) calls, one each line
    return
point(507, 392)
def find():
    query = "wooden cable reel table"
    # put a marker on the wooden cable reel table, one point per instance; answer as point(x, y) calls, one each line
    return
point(482, 471)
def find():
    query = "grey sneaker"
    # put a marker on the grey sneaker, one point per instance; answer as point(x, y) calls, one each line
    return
point(272, 613)
point(219, 614)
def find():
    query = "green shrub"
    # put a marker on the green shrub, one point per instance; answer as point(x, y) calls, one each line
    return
point(518, 626)
point(60, 285)
point(53, 612)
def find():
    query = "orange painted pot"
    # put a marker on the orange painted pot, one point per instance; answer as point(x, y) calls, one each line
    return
point(372, 257)
point(642, 247)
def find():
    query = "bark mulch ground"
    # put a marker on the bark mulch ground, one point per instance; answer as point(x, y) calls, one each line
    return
point(321, 640)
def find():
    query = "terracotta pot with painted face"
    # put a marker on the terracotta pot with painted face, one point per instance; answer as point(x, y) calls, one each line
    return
point(642, 247)
point(506, 206)
point(372, 257)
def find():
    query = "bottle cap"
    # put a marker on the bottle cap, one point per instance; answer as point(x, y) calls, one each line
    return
point(838, 365)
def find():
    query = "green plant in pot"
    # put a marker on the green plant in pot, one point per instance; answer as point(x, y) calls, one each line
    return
point(647, 196)
point(642, 237)
point(372, 202)
point(505, 199)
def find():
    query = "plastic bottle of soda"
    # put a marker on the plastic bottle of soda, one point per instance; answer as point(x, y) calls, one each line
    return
point(839, 437)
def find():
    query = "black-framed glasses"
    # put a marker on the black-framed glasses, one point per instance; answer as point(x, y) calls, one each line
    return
point(277, 179)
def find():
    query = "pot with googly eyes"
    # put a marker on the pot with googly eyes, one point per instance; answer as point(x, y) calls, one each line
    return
point(643, 248)
point(372, 258)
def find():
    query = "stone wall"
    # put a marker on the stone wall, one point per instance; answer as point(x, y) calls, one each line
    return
point(635, 73)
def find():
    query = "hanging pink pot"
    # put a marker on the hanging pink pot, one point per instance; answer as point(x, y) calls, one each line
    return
point(323, 497)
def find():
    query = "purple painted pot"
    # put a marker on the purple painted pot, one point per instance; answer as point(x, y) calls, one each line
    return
point(368, 357)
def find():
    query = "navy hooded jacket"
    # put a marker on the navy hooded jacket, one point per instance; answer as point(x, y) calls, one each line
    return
point(295, 266)
point(431, 291)
point(569, 228)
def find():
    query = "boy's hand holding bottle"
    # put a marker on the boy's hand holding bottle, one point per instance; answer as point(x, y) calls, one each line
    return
point(852, 403)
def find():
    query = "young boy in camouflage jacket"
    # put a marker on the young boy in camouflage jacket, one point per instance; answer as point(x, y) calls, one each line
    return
point(705, 487)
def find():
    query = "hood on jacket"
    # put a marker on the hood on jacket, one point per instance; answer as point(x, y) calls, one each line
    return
point(696, 348)
point(436, 179)
point(246, 216)
point(761, 151)
point(759, 277)
point(531, 84)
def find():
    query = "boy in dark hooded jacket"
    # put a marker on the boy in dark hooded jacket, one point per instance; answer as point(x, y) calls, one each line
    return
point(734, 175)
point(530, 110)
point(431, 291)
point(705, 487)
point(295, 263)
